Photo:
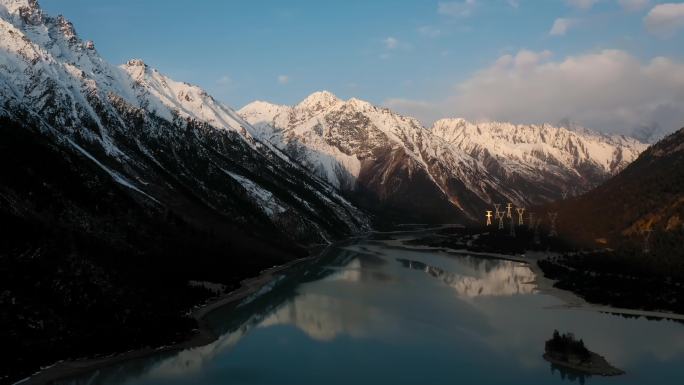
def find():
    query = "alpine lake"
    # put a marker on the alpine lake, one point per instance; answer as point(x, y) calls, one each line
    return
point(374, 310)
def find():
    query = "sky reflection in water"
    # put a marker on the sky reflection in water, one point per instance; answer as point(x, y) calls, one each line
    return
point(372, 314)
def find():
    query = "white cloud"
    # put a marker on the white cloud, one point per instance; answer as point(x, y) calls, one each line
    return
point(633, 5)
point(283, 79)
point(609, 90)
point(561, 26)
point(225, 80)
point(514, 3)
point(665, 20)
point(391, 43)
point(581, 4)
point(429, 31)
point(456, 8)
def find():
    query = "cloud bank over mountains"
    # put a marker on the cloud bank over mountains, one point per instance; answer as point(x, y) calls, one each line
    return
point(609, 90)
point(665, 20)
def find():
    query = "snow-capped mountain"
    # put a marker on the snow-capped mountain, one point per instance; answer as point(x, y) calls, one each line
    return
point(556, 161)
point(454, 167)
point(387, 162)
point(118, 186)
point(153, 135)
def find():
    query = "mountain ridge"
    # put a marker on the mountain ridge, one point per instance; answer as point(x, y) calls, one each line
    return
point(468, 170)
point(119, 186)
point(645, 196)
point(100, 99)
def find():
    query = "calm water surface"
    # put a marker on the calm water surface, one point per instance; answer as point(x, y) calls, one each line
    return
point(371, 313)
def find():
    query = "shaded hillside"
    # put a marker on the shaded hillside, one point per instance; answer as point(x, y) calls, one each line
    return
point(83, 260)
point(648, 194)
point(118, 187)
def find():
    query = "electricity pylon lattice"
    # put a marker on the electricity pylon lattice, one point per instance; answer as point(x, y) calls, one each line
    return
point(521, 211)
point(500, 216)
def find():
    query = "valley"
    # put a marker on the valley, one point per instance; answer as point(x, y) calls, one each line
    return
point(152, 233)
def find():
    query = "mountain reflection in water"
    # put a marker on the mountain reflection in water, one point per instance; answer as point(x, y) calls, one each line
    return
point(402, 316)
point(501, 279)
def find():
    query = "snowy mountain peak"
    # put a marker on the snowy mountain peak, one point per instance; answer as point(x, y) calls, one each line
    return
point(136, 68)
point(153, 135)
point(318, 101)
point(13, 6)
point(28, 11)
point(534, 147)
point(67, 28)
point(354, 144)
point(449, 122)
point(360, 104)
point(136, 63)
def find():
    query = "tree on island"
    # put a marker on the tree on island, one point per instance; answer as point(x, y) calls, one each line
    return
point(565, 347)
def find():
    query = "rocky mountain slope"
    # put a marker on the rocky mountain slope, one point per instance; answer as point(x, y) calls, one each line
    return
point(645, 200)
point(632, 230)
point(122, 118)
point(388, 163)
point(450, 172)
point(543, 161)
point(118, 186)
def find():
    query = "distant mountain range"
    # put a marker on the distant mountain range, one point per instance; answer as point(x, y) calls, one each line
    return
point(281, 164)
point(452, 171)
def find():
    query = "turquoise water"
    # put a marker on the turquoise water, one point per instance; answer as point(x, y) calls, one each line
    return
point(368, 313)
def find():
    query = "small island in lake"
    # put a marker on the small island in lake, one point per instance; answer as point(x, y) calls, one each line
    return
point(565, 351)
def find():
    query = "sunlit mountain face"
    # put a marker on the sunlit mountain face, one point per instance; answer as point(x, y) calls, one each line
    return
point(151, 232)
point(456, 167)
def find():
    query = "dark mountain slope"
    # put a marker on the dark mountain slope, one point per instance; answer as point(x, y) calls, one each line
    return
point(648, 194)
point(632, 231)
point(90, 267)
point(120, 186)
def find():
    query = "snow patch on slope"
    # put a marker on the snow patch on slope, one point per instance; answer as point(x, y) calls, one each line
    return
point(267, 202)
point(528, 148)
point(115, 175)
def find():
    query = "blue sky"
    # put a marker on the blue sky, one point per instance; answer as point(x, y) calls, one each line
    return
point(414, 56)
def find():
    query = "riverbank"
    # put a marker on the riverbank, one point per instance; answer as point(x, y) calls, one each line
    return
point(544, 284)
point(602, 279)
point(203, 335)
point(253, 286)
point(357, 305)
point(596, 365)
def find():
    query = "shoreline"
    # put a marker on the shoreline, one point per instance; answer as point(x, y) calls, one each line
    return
point(203, 335)
point(545, 285)
point(65, 369)
point(598, 366)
